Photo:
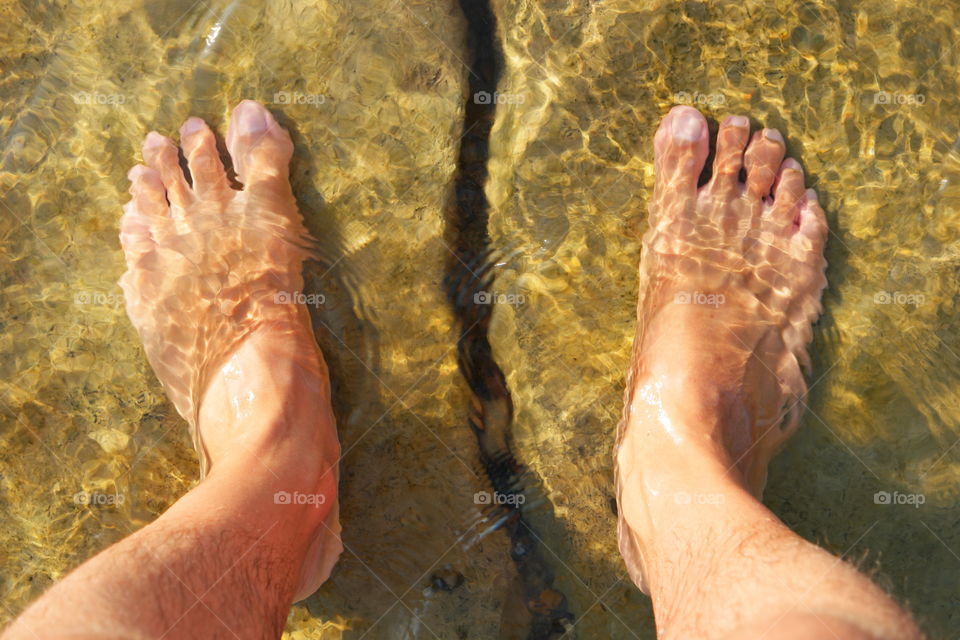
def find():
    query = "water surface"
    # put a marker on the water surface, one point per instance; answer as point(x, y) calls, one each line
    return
point(373, 93)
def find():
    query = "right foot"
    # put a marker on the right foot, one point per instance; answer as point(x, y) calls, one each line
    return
point(730, 282)
point(213, 286)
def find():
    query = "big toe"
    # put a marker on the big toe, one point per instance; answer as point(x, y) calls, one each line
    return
point(261, 149)
point(680, 148)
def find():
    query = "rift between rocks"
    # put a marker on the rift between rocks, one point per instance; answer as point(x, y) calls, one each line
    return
point(468, 283)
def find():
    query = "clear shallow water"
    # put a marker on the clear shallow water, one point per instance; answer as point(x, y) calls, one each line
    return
point(372, 93)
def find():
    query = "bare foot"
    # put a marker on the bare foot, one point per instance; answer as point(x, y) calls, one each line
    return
point(730, 282)
point(212, 284)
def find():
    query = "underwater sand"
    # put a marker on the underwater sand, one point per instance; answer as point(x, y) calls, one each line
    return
point(865, 93)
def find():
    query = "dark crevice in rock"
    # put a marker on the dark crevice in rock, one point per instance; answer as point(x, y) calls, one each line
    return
point(468, 284)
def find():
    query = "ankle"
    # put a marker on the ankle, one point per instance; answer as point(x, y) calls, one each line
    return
point(677, 411)
point(255, 404)
point(673, 459)
point(675, 470)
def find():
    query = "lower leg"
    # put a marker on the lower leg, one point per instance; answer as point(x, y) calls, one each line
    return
point(719, 564)
point(226, 560)
point(731, 276)
point(221, 563)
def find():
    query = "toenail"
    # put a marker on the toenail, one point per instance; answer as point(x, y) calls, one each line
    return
point(153, 140)
point(687, 126)
point(811, 195)
point(252, 120)
point(191, 126)
point(773, 135)
point(790, 163)
point(738, 121)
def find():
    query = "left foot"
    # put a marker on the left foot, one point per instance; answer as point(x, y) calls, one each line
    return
point(212, 286)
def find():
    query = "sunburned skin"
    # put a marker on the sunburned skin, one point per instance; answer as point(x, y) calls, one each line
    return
point(730, 282)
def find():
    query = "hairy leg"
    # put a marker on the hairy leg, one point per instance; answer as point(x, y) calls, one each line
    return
point(225, 560)
point(720, 565)
point(212, 286)
point(730, 283)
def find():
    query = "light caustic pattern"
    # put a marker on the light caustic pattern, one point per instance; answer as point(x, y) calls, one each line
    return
point(739, 262)
point(572, 179)
point(373, 100)
point(208, 265)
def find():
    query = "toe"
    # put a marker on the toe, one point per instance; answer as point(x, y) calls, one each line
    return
point(261, 149)
point(200, 149)
point(731, 141)
point(762, 160)
point(813, 224)
point(148, 204)
point(136, 236)
point(162, 156)
point(149, 194)
point(680, 150)
point(787, 193)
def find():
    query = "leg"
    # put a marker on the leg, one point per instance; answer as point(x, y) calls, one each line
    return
point(210, 288)
point(723, 566)
point(730, 282)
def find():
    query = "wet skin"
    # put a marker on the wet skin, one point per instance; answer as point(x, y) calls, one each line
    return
point(213, 275)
